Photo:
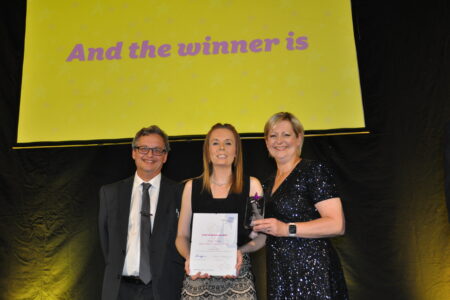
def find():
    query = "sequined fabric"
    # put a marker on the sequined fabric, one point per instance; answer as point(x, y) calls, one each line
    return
point(301, 268)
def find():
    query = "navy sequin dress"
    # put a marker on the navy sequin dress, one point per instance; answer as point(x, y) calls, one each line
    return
point(301, 268)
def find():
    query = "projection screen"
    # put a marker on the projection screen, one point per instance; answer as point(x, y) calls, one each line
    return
point(100, 70)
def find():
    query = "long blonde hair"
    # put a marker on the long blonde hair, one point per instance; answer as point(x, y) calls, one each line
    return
point(237, 172)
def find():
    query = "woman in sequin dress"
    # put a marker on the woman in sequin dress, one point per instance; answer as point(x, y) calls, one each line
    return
point(221, 189)
point(303, 210)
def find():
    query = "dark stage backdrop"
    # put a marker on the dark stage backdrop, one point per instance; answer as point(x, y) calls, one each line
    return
point(447, 167)
point(392, 180)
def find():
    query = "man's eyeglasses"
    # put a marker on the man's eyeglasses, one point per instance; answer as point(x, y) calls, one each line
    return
point(146, 150)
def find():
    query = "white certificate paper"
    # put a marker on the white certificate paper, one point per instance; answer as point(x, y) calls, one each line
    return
point(214, 244)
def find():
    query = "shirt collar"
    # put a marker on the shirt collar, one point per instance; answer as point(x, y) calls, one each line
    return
point(155, 181)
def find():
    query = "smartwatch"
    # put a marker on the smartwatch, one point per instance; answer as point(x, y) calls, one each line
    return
point(292, 230)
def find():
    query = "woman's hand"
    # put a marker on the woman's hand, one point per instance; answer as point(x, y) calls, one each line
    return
point(270, 226)
point(186, 266)
point(195, 276)
point(239, 259)
point(199, 275)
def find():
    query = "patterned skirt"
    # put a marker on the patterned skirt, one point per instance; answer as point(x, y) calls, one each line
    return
point(241, 287)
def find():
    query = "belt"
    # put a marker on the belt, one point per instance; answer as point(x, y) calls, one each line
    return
point(133, 279)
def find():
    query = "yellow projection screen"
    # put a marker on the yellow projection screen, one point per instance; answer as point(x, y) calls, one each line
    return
point(100, 70)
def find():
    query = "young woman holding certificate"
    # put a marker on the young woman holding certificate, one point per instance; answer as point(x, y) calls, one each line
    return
point(222, 188)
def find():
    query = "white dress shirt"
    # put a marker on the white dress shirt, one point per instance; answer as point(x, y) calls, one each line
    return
point(133, 254)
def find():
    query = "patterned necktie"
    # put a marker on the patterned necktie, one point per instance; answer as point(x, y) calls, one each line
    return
point(144, 264)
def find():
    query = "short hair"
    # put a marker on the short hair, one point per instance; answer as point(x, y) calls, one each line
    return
point(153, 129)
point(237, 167)
point(285, 116)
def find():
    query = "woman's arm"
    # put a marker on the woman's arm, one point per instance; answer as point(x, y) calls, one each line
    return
point(184, 230)
point(182, 241)
point(331, 222)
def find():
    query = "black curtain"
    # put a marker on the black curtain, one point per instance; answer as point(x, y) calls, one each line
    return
point(392, 180)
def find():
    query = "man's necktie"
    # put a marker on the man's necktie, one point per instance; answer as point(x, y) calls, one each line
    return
point(144, 265)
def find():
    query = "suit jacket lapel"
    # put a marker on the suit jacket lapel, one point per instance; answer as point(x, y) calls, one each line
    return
point(162, 210)
point(124, 202)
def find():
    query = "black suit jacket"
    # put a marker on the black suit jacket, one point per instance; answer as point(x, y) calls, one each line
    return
point(166, 265)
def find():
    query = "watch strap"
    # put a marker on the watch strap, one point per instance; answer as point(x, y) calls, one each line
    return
point(292, 229)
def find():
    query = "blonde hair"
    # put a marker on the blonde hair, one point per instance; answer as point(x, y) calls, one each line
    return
point(237, 172)
point(297, 126)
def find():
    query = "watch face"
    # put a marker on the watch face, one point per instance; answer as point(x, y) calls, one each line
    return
point(292, 229)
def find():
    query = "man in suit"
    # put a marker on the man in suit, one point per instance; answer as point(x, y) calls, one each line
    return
point(138, 222)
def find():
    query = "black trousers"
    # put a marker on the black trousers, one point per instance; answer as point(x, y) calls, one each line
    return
point(134, 290)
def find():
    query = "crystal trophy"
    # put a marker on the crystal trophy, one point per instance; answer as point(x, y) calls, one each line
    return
point(254, 210)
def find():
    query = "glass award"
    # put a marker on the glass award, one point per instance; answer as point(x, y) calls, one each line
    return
point(254, 210)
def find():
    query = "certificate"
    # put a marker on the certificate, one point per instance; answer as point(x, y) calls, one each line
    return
point(214, 244)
